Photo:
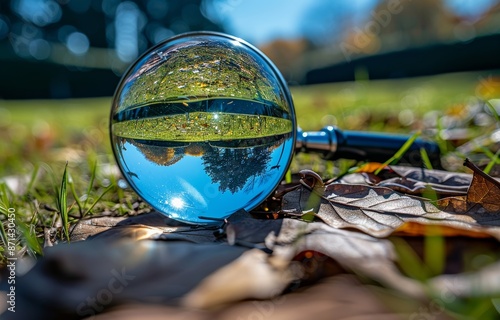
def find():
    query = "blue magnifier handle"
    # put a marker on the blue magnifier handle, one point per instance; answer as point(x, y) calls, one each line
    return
point(334, 143)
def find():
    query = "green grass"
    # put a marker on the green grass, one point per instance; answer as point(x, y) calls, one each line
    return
point(60, 151)
point(67, 113)
point(351, 105)
point(34, 131)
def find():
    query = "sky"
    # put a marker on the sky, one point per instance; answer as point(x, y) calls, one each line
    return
point(261, 21)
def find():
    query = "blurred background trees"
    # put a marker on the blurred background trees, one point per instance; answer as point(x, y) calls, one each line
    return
point(66, 48)
point(78, 48)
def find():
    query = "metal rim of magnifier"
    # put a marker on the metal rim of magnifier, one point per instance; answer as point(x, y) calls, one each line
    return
point(272, 66)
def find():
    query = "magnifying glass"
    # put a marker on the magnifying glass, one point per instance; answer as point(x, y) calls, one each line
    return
point(203, 125)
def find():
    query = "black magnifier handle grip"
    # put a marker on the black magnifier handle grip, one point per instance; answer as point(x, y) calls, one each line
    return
point(334, 143)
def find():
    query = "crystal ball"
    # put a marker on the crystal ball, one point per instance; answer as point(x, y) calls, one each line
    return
point(203, 125)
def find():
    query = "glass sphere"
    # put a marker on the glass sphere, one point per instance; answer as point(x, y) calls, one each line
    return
point(203, 125)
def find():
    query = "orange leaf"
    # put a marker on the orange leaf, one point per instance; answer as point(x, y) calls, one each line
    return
point(371, 167)
point(421, 229)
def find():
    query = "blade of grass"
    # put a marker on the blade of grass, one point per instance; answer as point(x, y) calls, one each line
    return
point(345, 167)
point(62, 201)
point(91, 182)
point(92, 206)
point(75, 196)
point(30, 239)
point(425, 158)
point(434, 250)
point(33, 178)
point(444, 145)
point(494, 160)
point(409, 261)
point(399, 154)
point(99, 198)
point(493, 110)
point(4, 205)
point(482, 309)
point(487, 152)
point(24, 234)
point(5, 191)
point(288, 176)
point(330, 168)
point(114, 180)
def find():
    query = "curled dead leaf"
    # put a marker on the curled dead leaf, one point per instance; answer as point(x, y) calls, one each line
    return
point(413, 181)
point(482, 199)
point(484, 189)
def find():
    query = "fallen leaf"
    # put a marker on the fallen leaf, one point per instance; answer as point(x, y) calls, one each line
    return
point(456, 205)
point(414, 181)
point(253, 275)
point(355, 251)
point(151, 225)
point(371, 167)
point(482, 201)
point(68, 281)
point(378, 211)
point(482, 283)
point(484, 189)
point(419, 229)
point(339, 297)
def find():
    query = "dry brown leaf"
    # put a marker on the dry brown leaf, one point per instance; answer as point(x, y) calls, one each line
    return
point(454, 204)
point(484, 189)
point(414, 181)
point(482, 200)
point(355, 251)
point(378, 211)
